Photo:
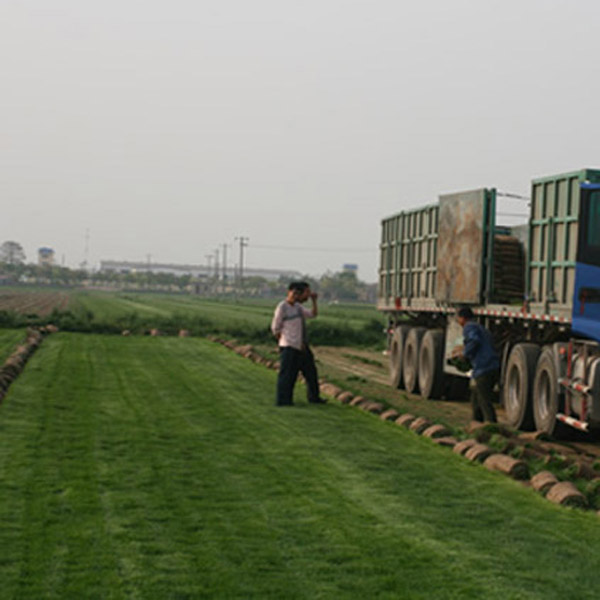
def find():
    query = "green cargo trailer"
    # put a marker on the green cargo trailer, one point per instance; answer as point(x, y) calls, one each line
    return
point(408, 256)
point(521, 282)
point(445, 254)
point(553, 235)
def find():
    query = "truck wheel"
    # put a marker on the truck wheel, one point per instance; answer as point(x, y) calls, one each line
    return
point(518, 383)
point(396, 354)
point(431, 364)
point(410, 368)
point(546, 399)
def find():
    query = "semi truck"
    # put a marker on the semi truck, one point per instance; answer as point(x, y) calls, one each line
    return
point(535, 286)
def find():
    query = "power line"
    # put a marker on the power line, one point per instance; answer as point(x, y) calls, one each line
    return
point(515, 196)
point(313, 249)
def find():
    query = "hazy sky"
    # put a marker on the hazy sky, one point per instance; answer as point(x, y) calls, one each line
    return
point(169, 128)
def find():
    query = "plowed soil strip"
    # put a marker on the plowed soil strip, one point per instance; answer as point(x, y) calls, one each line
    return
point(33, 302)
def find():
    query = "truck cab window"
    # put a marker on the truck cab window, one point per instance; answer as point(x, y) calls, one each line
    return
point(593, 225)
point(589, 247)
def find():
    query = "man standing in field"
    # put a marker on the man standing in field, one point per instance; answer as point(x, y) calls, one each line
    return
point(479, 350)
point(289, 327)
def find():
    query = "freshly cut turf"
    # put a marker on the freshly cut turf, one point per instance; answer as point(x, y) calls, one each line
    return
point(9, 340)
point(159, 468)
point(109, 306)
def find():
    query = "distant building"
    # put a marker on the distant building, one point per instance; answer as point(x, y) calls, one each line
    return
point(350, 268)
point(45, 257)
point(197, 271)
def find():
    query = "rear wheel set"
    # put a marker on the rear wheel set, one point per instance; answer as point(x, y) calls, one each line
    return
point(431, 364)
point(396, 355)
point(548, 400)
point(417, 360)
point(518, 385)
point(410, 366)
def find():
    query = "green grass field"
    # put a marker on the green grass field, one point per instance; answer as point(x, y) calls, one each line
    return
point(9, 340)
point(245, 319)
point(111, 305)
point(159, 468)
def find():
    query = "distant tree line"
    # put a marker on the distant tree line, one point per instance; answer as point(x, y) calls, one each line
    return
point(12, 253)
point(332, 287)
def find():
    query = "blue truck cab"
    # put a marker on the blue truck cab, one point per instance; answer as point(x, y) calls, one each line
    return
point(586, 300)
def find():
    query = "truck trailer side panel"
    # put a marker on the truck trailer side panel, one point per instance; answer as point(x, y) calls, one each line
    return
point(408, 252)
point(554, 229)
point(462, 247)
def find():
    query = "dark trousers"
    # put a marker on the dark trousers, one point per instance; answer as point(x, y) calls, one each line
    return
point(482, 396)
point(292, 361)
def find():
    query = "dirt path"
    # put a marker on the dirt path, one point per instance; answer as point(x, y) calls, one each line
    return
point(365, 372)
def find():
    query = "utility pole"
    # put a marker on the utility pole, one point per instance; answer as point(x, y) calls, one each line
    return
point(224, 263)
point(209, 259)
point(243, 244)
point(209, 283)
point(216, 273)
point(217, 264)
point(86, 251)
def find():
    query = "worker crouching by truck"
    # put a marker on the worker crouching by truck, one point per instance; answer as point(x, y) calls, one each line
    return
point(479, 350)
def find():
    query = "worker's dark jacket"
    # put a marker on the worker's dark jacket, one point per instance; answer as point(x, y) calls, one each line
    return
point(479, 349)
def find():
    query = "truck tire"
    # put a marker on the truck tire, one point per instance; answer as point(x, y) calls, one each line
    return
point(546, 396)
point(410, 367)
point(431, 364)
point(518, 385)
point(396, 352)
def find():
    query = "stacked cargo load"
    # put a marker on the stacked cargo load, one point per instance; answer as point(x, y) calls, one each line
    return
point(509, 269)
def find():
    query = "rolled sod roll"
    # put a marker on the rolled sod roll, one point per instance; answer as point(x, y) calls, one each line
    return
point(508, 465)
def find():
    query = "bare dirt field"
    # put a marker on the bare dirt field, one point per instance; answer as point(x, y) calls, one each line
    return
point(33, 302)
